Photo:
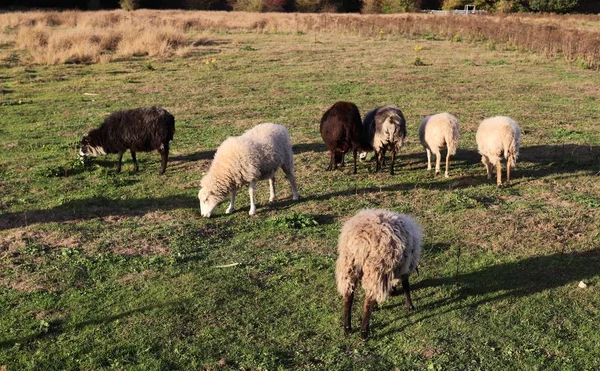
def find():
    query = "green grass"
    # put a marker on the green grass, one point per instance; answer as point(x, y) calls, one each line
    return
point(105, 270)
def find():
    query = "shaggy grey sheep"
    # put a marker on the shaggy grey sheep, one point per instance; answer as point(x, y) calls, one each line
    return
point(253, 156)
point(341, 130)
point(385, 128)
point(140, 129)
point(379, 247)
point(497, 137)
point(436, 132)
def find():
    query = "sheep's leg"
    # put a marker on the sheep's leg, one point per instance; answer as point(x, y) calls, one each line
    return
point(406, 287)
point(251, 188)
point(232, 202)
point(447, 164)
point(428, 158)
point(438, 156)
point(383, 157)
point(331, 160)
point(348, 299)
point(392, 161)
point(488, 166)
point(164, 156)
point(508, 172)
point(379, 155)
point(135, 164)
point(272, 189)
point(289, 173)
point(119, 159)
point(498, 172)
point(364, 327)
point(343, 163)
point(355, 154)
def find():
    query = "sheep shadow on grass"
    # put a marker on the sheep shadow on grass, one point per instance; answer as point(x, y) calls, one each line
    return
point(558, 159)
point(96, 207)
point(60, 326)
point(504, 281)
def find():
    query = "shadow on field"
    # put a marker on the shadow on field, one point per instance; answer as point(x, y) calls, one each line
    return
point(202, 155)
point(558, 159)
point(58, 326)
point(96, 207)
point(309, 147)
point(506, 281)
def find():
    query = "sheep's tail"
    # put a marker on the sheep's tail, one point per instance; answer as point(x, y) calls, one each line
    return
point(452, 139)
point(377, 282)
point(171, 126)
point(511, 149)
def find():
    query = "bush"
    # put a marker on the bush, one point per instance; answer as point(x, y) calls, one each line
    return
point(399, 6)
point(554, 6)
point(129, 4)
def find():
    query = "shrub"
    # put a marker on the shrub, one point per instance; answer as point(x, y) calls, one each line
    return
point(554, 6)
point(129, 4)
point(399, 6)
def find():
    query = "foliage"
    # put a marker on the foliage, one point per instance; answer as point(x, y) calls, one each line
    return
point(295, 221)
point(129, 5)
point(555, 6)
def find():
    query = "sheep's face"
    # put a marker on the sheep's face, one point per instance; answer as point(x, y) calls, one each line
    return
point(89, 149)
point(208, 201)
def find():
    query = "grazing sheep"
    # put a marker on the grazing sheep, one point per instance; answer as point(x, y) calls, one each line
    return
point(341, 130)
point(497, 137)
point(436, 132)
point(140, 129)
point(385, 127)
point(379, 247)
point(246, 159)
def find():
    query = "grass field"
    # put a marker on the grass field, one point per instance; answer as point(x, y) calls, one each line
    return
point(106, 270)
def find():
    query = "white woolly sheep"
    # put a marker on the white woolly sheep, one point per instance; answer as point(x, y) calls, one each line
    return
point(436, 132)
point(381, 247)
point(385, 127)
point(253, 156)
point(497, 137)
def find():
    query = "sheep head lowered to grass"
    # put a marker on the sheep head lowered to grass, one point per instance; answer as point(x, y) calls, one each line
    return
point(246, 159)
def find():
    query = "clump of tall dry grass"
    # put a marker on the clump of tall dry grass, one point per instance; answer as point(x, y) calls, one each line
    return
point(59, 37)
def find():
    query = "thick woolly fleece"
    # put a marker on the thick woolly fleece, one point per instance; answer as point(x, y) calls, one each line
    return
point(498, 137)
point(253, 156)
point(380, 244)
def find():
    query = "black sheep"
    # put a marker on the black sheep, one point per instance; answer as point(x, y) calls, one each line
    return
point(341, 130)
point(140, 129)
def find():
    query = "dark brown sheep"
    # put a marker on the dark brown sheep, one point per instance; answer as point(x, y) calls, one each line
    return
point(341, 130)
point(140, 129)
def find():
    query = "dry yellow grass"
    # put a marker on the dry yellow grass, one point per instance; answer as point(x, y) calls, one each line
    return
point(88, 37)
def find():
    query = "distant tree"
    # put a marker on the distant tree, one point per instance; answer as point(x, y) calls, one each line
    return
point(129, 4)
point(554, 6)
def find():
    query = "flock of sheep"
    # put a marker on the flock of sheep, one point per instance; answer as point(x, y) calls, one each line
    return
point(379, 247)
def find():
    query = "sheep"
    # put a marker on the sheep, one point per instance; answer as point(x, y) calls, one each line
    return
point(341, 130)
point(436, 132)
point(497, 137)
point(253, 156)
point(379, 247)
point(140, 129)
point(385, 127)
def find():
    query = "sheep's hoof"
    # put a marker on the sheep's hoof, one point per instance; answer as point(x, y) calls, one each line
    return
point(364, 335)
point(295, 197)
point(228, 211)
point(410, 308)
point(347, 330)
point(252, 212)
point(446, 175)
